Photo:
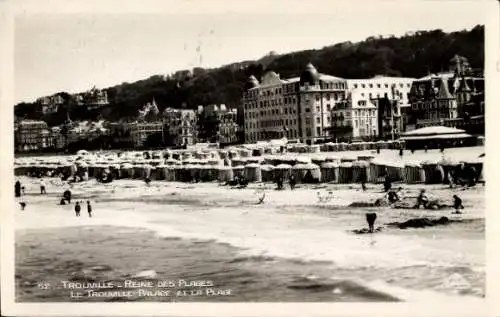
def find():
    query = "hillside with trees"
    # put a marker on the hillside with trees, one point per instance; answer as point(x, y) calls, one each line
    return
point(414, 55)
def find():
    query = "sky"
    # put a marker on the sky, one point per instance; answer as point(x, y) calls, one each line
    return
point(74, 50)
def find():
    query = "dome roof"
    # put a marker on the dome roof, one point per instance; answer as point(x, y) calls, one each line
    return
point(309, 75)
point(252, 82)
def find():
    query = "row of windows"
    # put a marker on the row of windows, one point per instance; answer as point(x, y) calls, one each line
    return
point(386, 85)
point(439, 115)
point(432, 105)
point(330, 85)
point(270, 123)
point(262, 135)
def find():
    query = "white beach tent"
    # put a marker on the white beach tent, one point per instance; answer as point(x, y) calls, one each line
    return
point(435, 132)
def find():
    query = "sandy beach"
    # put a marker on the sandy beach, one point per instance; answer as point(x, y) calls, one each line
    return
point(290, 248)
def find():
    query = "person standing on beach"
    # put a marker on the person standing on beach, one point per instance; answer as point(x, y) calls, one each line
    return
point(77, 209)
point(292, 182)
point(370, 218)
point(89, 209)
point(42, 187)
point(17, 189)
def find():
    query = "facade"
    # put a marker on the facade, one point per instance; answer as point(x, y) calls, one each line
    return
point(51, 104)
point(296, 108)
point(180, 126)
point(92, 99)
point(228, 127)
point(140, 131)
point(389, 95)
point(218, 123)
point(31, 135)
point(355, 119)
point(438, 98)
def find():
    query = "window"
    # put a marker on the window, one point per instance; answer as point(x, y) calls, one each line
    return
point(356, 123)
point(400, 85)
point(328, 119)
point(363, 85)
point(286, 110)
point(318, 121)
point(327, 96)
point(355, 85)
point(317, 98)
point(308, 132)
point(371, 85)
point(308, 120)
point(328, 107)
point(318, 131)
point(317, 109)
point(378, 85)
point(308, 110)
point(386, 85)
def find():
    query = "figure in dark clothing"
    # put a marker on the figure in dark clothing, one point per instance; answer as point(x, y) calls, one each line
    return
point(370, 218)
point(23, 192)
point(23, 205)
point(67, 195)
point(387, 183)
point(425, 148)
point(279, 182)
point(77, 209)
point(363, 185)
point(422, 200)
point(401, 152)
point(17, 189)
point(89, 209)
point(378, 150)
point(62, 202)
point(292, 182)
point(147, 180)
point(392, 196)
point(457, 204)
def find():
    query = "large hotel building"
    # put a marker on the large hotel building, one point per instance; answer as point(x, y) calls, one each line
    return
point(316, 107)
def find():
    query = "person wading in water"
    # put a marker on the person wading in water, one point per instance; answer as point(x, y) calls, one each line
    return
point(370, 218)
point(77, 209)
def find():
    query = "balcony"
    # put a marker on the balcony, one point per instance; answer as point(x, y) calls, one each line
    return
point(339, 129)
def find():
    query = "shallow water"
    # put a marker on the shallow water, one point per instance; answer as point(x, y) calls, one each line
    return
point(408, 264)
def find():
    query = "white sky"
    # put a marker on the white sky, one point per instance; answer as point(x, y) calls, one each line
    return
point(76, 50)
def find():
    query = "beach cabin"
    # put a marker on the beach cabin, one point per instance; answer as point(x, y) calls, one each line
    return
point(253, 172)
point(330, 172)
point(267, 172)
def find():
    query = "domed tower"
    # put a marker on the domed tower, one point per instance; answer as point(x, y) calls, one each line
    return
point(310, 75)
point(252, 82)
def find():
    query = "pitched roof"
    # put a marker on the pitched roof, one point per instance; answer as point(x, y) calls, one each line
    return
point(443, 92)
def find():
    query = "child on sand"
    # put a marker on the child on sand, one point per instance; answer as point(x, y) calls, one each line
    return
point(457, 204)
point(370, 218)
point(77, 209)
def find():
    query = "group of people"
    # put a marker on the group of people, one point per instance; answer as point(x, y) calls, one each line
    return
point(280, 182)
point(19, 190)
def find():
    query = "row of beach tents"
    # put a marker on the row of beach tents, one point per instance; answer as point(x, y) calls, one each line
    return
point(255, 169)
